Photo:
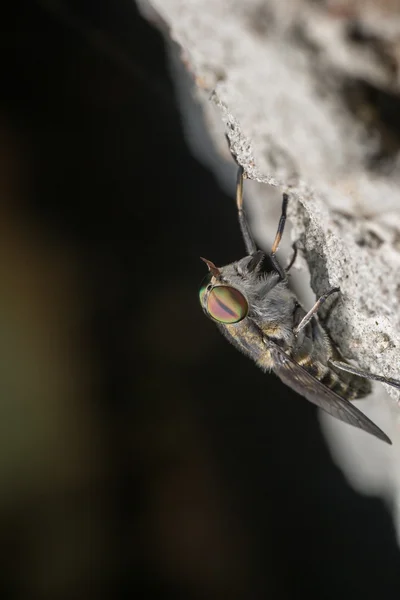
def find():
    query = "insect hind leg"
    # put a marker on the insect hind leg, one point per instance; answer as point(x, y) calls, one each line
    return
point(356, 371)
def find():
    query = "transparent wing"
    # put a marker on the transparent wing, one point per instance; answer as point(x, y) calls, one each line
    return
point(297, 378)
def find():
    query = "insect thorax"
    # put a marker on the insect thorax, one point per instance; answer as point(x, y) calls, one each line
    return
point(274, 312)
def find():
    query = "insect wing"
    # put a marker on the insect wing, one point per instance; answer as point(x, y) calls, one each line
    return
point(297, 378)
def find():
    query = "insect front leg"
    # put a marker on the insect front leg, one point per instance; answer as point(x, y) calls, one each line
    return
point(307, 318)
point(292, 260)
point(281, 226)
point(251, 247)
point(356, 371)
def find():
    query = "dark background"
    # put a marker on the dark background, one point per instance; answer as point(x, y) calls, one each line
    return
point(141, 455)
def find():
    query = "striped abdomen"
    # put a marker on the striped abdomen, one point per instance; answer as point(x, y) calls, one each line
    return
point(344, 384)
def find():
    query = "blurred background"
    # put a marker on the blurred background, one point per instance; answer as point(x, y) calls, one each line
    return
point(140, 454)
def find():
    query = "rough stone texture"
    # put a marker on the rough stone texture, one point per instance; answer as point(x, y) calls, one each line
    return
point(308, 93)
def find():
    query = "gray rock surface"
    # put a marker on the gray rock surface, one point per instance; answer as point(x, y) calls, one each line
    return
point(298, 87)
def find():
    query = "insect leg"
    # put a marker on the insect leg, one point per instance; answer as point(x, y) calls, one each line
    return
point(292, 260)
point(356, 371)
point(278, 237)
point(249, 242)
point(307, 318)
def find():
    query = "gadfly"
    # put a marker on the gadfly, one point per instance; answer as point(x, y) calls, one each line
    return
point(261, 316)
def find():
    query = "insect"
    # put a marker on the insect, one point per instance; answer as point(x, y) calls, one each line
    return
point(261, 316)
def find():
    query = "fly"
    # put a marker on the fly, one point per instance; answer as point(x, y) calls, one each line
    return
point(262, 317)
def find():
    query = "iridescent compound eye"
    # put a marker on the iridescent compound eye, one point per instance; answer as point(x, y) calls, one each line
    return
point(225, 304)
